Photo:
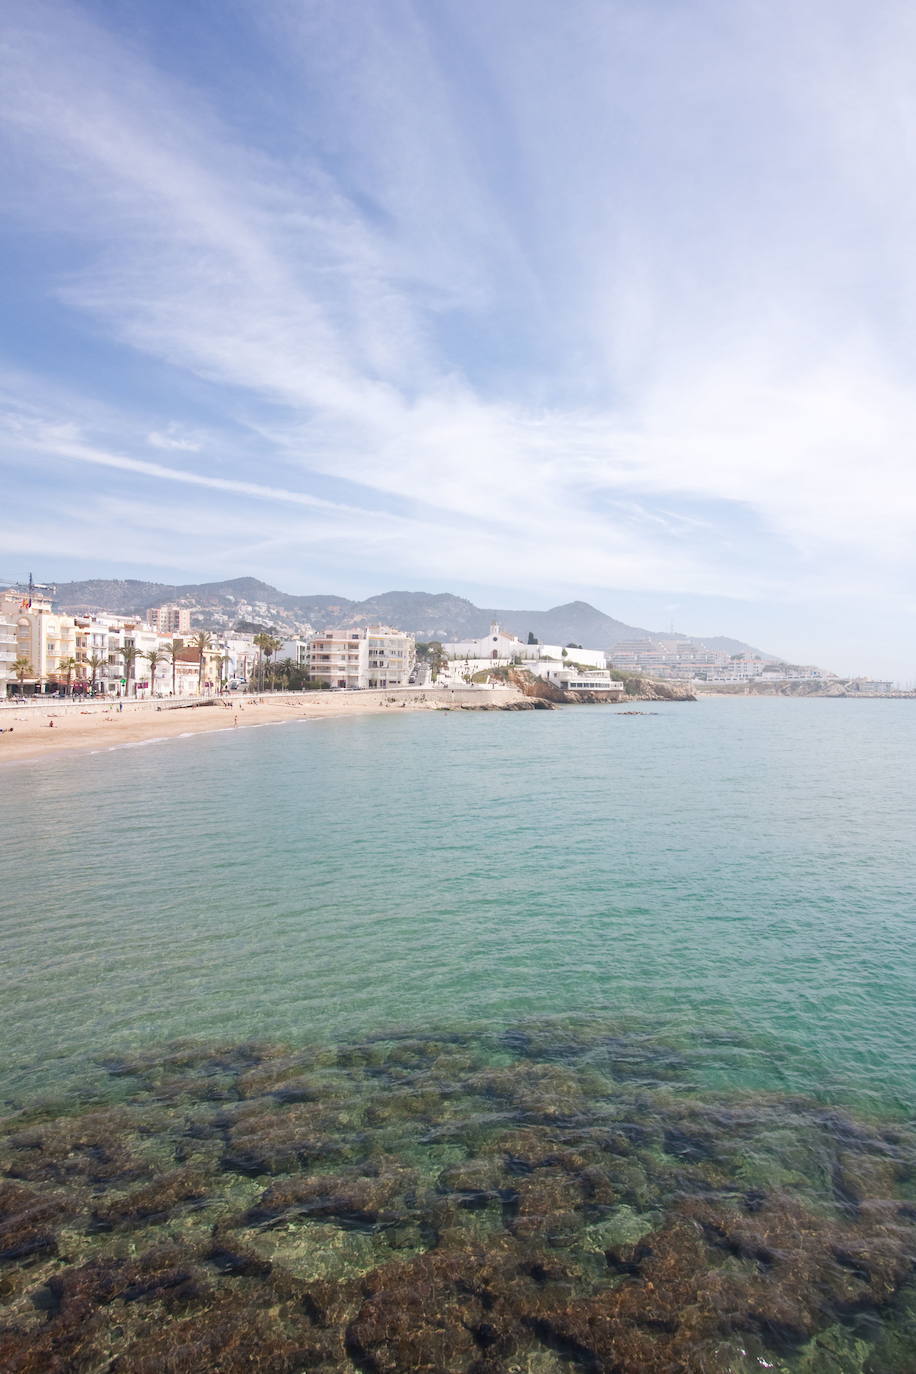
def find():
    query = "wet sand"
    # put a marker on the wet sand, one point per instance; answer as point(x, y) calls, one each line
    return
point(58, 725)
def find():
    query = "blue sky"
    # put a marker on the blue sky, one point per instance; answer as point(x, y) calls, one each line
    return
point(520, 300)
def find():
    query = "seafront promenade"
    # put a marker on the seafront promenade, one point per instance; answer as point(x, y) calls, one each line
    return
point(40, 728)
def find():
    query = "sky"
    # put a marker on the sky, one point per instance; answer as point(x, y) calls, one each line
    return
point(608, 300)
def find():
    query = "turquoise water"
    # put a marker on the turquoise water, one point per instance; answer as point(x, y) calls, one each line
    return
point(470, 1043)
point(735, 865)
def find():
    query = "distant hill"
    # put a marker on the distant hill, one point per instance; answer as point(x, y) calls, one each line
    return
point(427, 615)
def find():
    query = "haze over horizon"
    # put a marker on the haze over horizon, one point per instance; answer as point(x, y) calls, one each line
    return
point(527, 303)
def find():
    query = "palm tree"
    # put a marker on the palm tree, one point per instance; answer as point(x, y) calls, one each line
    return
point(274, 647)
point(155, 657)
point(268, 644)
point(22, 668)
point(129, 653)
point(66, 668)
point(261, 640)
point(173, 653)
point(94, 662)
point(202, 643)
point(224, 668)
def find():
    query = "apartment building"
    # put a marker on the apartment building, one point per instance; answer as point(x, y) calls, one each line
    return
point(295, 651)
point(188, 673)
point(169, 620)
point(339, 658)
point(45, 638)
point(390, 657)
point(10, 609)
point(375, 656)
point(241, 657)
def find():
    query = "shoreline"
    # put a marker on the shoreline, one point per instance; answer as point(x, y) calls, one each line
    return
point(98, 727)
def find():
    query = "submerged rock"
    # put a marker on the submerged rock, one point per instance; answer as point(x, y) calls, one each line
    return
point(86, 1149)
point(351, 1198)
point(556, 1197)
point(28, 1222)
point(156, 1199)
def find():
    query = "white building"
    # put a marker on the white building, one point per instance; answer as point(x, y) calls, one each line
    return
point(578, 679)
point(500, 647)
point(295, 651)
point(241, 656)
point(10, 609)
point(390, 657)
point(375, 656)
point(869, 686)
point(100, 641)
point(742, 668)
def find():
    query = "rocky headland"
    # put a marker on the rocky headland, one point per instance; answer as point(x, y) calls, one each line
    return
point(635, 689)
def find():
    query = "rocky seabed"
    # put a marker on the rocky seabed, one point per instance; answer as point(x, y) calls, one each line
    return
point(550, 1198)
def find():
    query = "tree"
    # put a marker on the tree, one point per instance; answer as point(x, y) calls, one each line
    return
point(94, 663)
point(268, 644)
point(66, 668)
point(433, 655)
point(155, 657)
point(129, 653)
point(294, 678)
point(532, 639)
point(173, 653)
point(202, 642)
point(22, 668)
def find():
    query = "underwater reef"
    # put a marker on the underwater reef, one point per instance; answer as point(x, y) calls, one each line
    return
point(561, 1196)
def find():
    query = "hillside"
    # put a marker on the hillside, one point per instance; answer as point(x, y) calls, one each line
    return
point(427, 615)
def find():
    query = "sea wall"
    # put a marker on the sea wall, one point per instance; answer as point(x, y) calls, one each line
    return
point(478, 697)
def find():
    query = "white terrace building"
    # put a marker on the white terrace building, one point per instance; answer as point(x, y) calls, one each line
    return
point(295, 651)
point(375, 656)
point(241, 655)
point(10, 607)
point(499, 648)
point(579, 679)
point(103, 637)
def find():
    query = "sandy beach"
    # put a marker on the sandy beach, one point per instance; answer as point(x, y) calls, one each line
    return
point(37, 731)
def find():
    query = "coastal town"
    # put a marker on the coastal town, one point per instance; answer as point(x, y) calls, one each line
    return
point(171, 651)
point(45, 652)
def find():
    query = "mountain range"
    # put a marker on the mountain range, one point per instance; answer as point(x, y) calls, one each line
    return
point(429, 616)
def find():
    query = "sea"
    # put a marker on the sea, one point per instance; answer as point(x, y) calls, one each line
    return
point(461, 1041)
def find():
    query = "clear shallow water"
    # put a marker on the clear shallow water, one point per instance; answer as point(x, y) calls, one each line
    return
point(741, 866)
point(529, 1042)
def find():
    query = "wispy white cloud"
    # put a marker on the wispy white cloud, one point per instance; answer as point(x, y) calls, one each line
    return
point(622, 288)
point(436, 543)
point(173, 439)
